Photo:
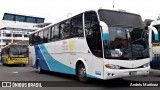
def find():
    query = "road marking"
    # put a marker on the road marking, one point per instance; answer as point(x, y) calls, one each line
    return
point(15, 72)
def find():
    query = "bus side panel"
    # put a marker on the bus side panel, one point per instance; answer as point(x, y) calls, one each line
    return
point(62, 56)
point(93, 65)
point(48, 61)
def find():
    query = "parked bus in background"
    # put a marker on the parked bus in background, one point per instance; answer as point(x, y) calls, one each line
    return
point(103, 44)
point(154, 40)
point(15, 54)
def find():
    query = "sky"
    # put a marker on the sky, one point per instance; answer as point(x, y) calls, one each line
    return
point(55, 10)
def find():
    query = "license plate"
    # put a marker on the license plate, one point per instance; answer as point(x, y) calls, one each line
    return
point(132, 73)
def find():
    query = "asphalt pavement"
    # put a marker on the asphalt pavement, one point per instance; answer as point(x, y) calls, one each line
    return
point(58, 81)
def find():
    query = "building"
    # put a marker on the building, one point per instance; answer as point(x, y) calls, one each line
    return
point(16, 27)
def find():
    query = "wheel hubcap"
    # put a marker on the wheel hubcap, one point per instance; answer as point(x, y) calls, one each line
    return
point(82, 72)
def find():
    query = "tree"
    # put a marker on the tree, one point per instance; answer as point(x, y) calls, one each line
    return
point(147, 22)
point(158, 18)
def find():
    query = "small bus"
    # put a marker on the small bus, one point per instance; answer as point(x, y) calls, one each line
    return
point(154, 43)
point(15, 54)
point(103, 44)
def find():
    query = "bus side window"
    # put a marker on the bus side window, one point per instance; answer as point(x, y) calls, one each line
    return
point(153, 38)
point(55, 32)
point(50, 34)
point(76, 26)
point(31, 39)
point(52, 31)
point(45, 36)
point(64, 29)
point(8, 50)
point(40, 37)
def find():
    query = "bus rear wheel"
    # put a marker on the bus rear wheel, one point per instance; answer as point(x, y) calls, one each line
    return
point(81, 73)
point(39, 68)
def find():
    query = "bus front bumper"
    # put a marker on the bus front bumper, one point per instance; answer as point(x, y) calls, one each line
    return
point(18, 61)
point(120, 73)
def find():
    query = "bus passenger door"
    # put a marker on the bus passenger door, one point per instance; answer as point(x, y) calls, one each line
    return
point(94, 41)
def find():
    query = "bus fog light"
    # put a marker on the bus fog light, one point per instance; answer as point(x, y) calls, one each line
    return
point(109, 74)
point(146, 65)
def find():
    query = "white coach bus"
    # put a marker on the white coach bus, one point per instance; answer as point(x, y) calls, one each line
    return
point(101, 44)
point(154, 43)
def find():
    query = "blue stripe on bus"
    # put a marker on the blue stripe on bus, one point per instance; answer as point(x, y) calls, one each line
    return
point(156, 37)
point(105, 36)
point(39, 56)
point(54, 65)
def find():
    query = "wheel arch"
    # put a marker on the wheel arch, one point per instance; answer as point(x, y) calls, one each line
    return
point(81, 61)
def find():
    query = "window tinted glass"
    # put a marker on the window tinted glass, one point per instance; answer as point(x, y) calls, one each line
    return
point(158, 28)
point(123, 19)
point(64, 29)
point(77, 26)
point(40, 20)
point(20, 18)
point(40, 37)
point(52, 32)
point(31, 20)
point(45, 36)
point(55, 32)
point(9, 17)
point(90, 21)
point(126, 43)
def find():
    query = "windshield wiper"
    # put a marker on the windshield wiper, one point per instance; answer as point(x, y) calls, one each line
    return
point(137, 40)
point(16, 49)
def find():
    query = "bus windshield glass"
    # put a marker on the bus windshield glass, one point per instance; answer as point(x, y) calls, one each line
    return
point(126, 43)
point(122, 19)
point(153, 35)
point(19, 51)
point(127, 37)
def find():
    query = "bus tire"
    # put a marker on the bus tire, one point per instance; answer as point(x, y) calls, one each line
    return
point(81, 73)
point(24, 65)
point(39, 68)
point(3, 64)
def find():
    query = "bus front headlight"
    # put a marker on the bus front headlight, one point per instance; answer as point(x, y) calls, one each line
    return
point(146, 65)
point(112, 66)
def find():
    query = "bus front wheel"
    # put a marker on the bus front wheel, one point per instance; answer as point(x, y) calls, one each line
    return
point(82, 73)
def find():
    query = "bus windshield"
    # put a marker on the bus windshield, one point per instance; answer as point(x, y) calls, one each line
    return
point(19, 51)
point(126, 43)
point(153, 35)
point(127, 37)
